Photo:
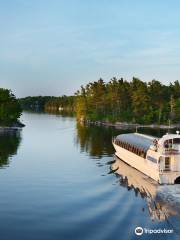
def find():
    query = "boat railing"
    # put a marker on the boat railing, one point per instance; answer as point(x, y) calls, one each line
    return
point(168, 151)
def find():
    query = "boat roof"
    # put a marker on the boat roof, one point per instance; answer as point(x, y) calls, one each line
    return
point(168, 137)
point(138, 140)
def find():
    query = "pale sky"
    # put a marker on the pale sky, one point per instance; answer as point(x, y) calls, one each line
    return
point(52, 47)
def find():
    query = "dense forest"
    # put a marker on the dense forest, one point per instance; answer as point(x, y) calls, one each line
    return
point(35, 103)
point(119, 100)
point(48, 103)
point(63, 103)
point(10, 109)
point(135, 101)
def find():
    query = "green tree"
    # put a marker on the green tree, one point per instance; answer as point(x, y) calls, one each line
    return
point(141, 101)
point(158, 95)
point(10, 109)
point(81, 104)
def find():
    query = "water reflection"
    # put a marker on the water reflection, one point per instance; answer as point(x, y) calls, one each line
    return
point(161, 203)
point(62, 113)
point(95, 140)
point(9, 143)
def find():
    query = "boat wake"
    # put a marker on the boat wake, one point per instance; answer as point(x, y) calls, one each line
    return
point(162, 202)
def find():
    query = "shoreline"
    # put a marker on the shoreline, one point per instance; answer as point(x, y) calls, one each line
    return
point(9, 129)
point(125, 125)
point(14, 127)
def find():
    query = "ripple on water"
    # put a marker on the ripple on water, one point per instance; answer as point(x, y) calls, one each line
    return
point(106, 215)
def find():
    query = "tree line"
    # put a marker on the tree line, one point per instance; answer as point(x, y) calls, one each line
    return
point(35, 103)
point(134, 101)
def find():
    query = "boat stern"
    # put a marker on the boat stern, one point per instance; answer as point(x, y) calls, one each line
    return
point(169, 178)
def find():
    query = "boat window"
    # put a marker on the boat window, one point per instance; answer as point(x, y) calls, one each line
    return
point(133, 149)
point(168, 143)
point(142, 154)
point(167, 163)
point(176, 140)
point(136, 151)
point(152, 159)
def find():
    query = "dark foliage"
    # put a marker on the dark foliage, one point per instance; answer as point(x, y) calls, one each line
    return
point(10, 109)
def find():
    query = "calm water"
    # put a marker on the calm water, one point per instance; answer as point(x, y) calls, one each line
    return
point(56, 183)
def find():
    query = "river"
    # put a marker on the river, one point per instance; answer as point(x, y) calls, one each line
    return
point(56, 184)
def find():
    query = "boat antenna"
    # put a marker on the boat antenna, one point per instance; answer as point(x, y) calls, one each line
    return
point(169, 126)
point(136, 129)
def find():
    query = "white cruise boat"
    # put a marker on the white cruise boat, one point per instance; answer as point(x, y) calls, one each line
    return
point(158, 158)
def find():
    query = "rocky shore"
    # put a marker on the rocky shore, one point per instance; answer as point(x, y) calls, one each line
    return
point(125, 125)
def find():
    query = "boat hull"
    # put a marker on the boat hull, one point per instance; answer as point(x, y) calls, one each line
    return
point(139, 163)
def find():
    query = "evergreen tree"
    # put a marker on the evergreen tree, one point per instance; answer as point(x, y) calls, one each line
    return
point(10, 109)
